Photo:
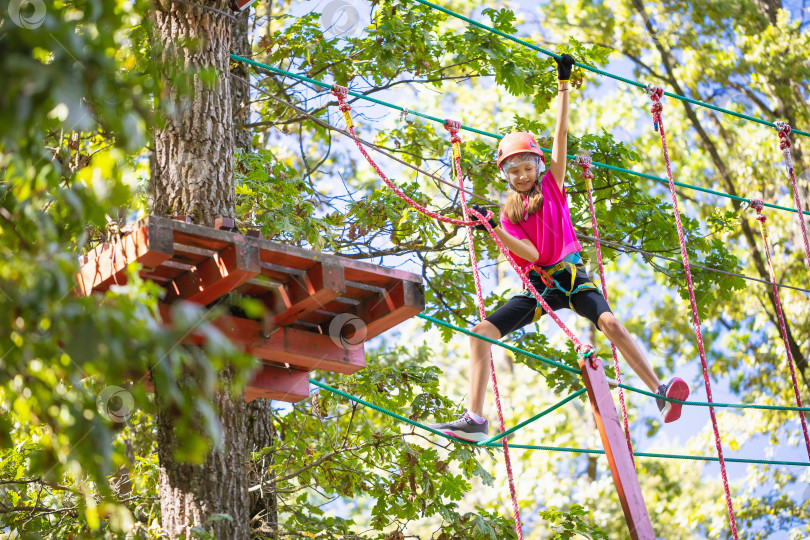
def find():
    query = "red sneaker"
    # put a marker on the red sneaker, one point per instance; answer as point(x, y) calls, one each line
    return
point(676, 389)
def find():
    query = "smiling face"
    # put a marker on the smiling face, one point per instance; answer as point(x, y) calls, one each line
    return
point(522, 176)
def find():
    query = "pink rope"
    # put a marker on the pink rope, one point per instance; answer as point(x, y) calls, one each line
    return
point(655, 95)
point(341, 92)
point(784, 145)
point(585, 163)
point(453, 127)
point(758, 205)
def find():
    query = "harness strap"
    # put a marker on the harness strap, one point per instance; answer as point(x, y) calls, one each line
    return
point(571, 263)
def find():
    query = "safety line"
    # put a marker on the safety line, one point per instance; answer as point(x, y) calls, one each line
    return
point(656, 93)
point(624, 386)
point(496, 136)
point(585, 163)
point(597, 70)
point(538, 447)
point(617, 245)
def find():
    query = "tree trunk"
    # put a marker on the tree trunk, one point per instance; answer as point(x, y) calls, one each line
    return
point(194, 149)
point(193, 176)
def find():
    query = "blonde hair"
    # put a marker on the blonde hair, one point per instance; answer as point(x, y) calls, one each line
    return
point(516, 207)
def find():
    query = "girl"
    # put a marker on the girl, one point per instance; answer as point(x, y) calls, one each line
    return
point(536, 227)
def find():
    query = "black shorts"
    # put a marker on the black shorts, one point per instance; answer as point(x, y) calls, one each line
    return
point(523, 309)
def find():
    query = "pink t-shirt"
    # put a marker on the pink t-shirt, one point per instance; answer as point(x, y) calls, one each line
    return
point(549, 229)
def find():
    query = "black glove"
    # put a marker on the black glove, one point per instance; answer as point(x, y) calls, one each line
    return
point(564, 65)
point(483, 212)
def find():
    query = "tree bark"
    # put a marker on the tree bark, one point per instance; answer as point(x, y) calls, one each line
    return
point(194, 149)
point(191, 494)
point(193, 176)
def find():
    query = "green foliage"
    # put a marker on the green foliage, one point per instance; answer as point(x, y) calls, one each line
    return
point(571, 524)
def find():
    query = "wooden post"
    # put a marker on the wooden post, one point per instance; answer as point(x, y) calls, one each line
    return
point(618, 455)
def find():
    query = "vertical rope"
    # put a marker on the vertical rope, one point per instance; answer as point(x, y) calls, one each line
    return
point(658, 123)
point(758, 205)
point(453, 127)
point(784, 145)
point(585, 163)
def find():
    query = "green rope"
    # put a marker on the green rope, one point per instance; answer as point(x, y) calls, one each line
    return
point(626, 387)
point(533, 418)
point(655, 455)
point(490, 443)
point(320, 84)
point(597, 70)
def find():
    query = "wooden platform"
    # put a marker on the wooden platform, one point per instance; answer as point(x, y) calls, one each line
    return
point(320, 308)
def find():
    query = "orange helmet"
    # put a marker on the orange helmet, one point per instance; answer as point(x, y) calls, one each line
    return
point(517, 142)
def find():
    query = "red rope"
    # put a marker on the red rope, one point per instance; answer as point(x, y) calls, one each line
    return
point(585, 163)
point(758, 205)
point(784, 145)
point(655, 95)
point(453, 127)
point(341, 93)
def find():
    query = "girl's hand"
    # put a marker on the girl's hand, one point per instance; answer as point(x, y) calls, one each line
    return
point(483, 212)
point(564, 65)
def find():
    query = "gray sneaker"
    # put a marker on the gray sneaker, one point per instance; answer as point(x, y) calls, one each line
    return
point(465, 428)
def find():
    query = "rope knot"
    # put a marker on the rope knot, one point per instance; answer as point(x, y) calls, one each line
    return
point(758, 205)
point(655, 93)
point(585, 163)
point(340, 92)
point(587, 351)
point(453, 126)
point(784, 134)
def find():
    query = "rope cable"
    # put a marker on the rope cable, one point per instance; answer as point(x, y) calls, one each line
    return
point(594, 69)
point(537, 447)
point(658, 122)
point(585, 163)
point(757, 205)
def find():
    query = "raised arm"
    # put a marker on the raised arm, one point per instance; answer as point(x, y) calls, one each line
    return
point(559, 149)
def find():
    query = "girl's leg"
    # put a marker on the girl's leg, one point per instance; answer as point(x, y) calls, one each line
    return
point(619, 336)
point(479, 365)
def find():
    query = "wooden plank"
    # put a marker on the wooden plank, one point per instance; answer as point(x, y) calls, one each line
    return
point(300, 349)
point(305, 293)
point(389, 308)
point(618, 455)
point(277, 383)
point(217, 276)
point(148, 245)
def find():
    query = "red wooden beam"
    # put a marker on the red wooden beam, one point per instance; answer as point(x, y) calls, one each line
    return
point(217, 276)
point(307, 292)
point(148, 245)
point(618, 455)
point(300, 349)
point(387, 309)
point(277, 383)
